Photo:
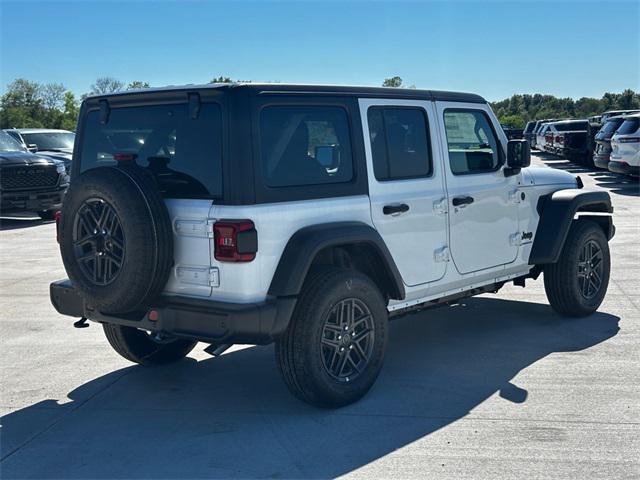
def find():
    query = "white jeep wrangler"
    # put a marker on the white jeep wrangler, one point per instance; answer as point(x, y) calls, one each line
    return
point(308, 215)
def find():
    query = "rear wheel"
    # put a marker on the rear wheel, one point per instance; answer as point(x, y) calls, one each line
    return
point(144, 348)
point(577, 283)
point(334, 347)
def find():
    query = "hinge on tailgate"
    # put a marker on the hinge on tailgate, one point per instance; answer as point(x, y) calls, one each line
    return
point(199, 276)
point(442, 254)
point(195, 228)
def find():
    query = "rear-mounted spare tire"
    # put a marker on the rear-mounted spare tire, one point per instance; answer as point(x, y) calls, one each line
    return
point(116, 238)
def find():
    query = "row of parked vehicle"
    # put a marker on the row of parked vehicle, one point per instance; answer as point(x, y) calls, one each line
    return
point(34, 170)
point(610, 141)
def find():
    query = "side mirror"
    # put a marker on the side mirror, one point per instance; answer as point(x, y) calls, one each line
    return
point(32, 147)
point(328, 156)
point(518, 156)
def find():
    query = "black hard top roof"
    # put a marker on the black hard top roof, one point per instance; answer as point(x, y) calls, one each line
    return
point(291, 89)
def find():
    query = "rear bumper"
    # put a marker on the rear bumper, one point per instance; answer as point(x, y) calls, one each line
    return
point(203, 320)
point(31, 201)
point(623, 167)
point(601, 161)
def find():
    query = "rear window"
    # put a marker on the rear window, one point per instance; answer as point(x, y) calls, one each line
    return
point(305, 145)
point(183, 153)
point(612, 125)
point(630, 125)
point(529, 128)
point(570, 126)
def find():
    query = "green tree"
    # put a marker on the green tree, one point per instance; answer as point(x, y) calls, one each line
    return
point(137, 84)
point(395, 82)
point(71, 110)
point(105, 85)
point(22, 105)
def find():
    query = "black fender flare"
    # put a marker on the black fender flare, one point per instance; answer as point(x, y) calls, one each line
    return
point(305, 244)
point(557, 211)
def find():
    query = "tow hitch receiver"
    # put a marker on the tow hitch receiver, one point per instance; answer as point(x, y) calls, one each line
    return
point(82, 323)
point(217, 350)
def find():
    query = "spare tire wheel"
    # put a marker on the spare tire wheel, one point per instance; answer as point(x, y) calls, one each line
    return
point(116, 238)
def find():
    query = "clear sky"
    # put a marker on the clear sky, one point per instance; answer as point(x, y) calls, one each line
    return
point(495, 49)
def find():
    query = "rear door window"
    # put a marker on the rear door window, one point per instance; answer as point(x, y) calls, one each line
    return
point(183, 153)
point(630, 125)
point(399, 143)
point(305, 145)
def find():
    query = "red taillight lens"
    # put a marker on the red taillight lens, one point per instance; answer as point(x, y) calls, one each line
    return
point(235, 240)
point(124, 157)
point(58, 217)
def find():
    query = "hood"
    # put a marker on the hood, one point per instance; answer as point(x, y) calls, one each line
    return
point(62, 155)
point(550, 176)
point(24, 158)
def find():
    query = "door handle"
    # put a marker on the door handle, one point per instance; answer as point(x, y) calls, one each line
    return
point(462, 201)
point(395, 209)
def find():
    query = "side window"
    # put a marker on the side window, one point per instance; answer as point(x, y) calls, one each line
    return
point(473, 146)
point(305, 145)
point(399, 143)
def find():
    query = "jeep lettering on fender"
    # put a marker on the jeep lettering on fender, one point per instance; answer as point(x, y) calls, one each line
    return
point(306, 216)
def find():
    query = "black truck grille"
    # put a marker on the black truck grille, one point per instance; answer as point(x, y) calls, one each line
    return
point(26, 177)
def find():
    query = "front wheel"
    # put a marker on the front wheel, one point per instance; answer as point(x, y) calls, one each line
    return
point(577, 283)
point(333, 349)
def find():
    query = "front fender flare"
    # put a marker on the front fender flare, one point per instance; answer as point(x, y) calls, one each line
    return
point(557, 212)
point(305, 244)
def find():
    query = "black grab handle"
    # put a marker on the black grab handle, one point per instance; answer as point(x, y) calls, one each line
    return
point(458, 201)
point(391, 209)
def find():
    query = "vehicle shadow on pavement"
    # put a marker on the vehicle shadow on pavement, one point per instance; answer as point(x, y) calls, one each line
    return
point(18, 223)
point(231, 416)
point(613, 182)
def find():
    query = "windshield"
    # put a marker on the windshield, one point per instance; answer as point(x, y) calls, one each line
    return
point(529, 127)
point(183, 153)
point(630, 125)
point(8, 144)
point(50, 140)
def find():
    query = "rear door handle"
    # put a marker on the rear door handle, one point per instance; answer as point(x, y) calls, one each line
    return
point(395, 209)
point(461, 201)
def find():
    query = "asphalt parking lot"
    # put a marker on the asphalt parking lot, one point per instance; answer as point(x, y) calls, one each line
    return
point(496, 387)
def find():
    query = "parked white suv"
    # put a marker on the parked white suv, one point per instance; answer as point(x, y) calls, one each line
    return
point(308, 215)
point(625, 147)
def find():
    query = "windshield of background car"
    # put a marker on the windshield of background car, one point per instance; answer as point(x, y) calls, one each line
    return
point(50, 140)
point(183, 153)
point(529, 127)
point(8, 144)
point(630, 125)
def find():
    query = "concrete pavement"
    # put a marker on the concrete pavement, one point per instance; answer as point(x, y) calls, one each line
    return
point(496, 387)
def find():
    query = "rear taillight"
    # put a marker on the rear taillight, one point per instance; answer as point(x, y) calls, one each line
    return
point(57, 217)
point(559, 139)
point(235, 240)
point(628, 140)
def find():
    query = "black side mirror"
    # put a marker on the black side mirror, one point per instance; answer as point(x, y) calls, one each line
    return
point(518, 156)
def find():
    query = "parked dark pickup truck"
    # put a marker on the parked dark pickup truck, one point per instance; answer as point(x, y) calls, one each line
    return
point(602, 152)
point(28, 182)
point(574, 140)
point(512, 133)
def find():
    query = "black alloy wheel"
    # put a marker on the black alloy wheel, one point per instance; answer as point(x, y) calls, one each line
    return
point(98, 240)
point(347, 340)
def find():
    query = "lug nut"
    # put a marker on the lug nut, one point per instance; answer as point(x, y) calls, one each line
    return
point(342, 349)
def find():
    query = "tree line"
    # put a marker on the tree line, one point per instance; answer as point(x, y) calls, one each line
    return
point(28, 104)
